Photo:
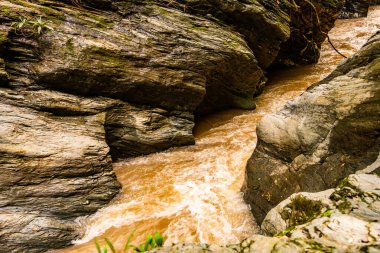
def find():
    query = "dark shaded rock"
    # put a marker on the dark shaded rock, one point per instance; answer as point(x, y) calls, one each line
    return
point(310, 23)
point(355, 9)
point(329, 132)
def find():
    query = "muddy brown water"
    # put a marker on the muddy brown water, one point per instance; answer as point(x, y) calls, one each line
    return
point(192, 194)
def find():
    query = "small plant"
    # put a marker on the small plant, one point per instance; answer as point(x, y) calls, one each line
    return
point(327, 213)
point(151, 242)
point(287, 232)
point(39, 25)
point(301, 210)
point(28, 28)
point(19, 25)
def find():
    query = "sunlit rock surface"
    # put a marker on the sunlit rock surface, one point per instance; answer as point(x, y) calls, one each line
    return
point(329, 132)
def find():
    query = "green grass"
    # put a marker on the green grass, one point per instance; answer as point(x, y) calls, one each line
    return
point(151, 242)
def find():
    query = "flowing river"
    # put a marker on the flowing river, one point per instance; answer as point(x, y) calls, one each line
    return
point(192, 194)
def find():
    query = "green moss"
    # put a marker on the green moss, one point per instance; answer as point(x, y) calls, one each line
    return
point(5, 9)
point(100, 21)
point(327, 214)
point(69, 44)
point(287, 232)
point(301, 210)
point(343, 183)
point(46, 11)
point(344, 206)
point(320, 247)
point(3, 38)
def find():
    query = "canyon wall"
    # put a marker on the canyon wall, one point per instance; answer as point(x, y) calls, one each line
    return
point(83, 83)
point(329, 132)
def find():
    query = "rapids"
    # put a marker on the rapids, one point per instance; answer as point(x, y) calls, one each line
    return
point(192, 194)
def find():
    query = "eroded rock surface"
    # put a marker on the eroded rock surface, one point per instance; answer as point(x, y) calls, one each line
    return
point(54, 169)
point(329, 132)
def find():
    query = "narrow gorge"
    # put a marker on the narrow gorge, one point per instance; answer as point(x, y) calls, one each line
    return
point(142, 115)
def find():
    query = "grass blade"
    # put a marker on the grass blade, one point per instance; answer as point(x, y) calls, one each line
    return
point(109, 243)
point(127, 244)
point(97, 246)
point(159, 239)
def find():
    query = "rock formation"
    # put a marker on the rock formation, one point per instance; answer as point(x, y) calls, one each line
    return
point(345, 219)
point(355, 9)
point(81, 81)
point(329, 132)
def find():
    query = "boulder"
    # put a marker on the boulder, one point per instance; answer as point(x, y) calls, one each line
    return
point(348, 218)
point(329, 132)
point(152, 55)
point(90, 85)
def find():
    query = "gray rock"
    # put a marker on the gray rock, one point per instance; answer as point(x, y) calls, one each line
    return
point(350, 217)
point(54, 169)
point(324, 135)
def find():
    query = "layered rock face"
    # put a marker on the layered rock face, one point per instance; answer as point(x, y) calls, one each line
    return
point(147, 57)
point(345, 219)
point(329, 132)
point(94, 79)
point(54, 169)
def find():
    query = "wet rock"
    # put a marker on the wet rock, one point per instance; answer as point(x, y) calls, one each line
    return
point(137, 130)
point(324, 135)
